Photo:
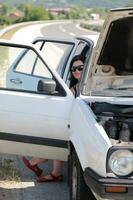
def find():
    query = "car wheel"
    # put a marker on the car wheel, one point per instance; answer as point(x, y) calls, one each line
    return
point(78, 188)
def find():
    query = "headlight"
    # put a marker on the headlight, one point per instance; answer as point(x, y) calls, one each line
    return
point(121, 162)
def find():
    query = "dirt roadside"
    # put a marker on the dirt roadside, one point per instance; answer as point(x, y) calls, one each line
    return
point(27, 188)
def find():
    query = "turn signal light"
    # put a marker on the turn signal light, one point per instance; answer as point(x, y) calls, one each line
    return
point(116, 189)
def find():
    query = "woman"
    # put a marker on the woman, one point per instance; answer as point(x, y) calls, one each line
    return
point(76, 67)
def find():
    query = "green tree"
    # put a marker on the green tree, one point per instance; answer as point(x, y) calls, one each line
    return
point(77, 13)
point(32, 13)
point(51, 16)
point(4, 9)
point(4, 20)
point(38, 13)
point(101, 11)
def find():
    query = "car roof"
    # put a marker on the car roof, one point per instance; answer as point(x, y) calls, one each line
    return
point(88, 37)
point(54, 39)
point(94, 38)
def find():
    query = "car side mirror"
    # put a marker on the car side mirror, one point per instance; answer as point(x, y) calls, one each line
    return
point(46, 86)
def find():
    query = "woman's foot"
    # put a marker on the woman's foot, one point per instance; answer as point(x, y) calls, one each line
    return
point(50, 178)
point(34, 168)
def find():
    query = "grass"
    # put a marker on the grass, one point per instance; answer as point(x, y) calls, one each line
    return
point(8, 35)
point(8, 171)
point(91, 27)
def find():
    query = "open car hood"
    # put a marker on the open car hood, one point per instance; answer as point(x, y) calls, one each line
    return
point(110, 71)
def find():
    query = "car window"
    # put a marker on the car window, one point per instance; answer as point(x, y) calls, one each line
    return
point(28, 62)
point(31, 64)
point(40, 70)
point(82, 48)
point(54, 52)
point(22, 64)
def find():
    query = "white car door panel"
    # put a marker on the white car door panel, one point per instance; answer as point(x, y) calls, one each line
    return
point(34, 114)
point(33, 122)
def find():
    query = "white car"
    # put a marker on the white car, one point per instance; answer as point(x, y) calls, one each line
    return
point(93, 132)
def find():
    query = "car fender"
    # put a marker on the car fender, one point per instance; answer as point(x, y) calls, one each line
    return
point(88, 138)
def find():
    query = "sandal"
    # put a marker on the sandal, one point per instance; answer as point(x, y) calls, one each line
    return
point(54, 178)
point(34, 168)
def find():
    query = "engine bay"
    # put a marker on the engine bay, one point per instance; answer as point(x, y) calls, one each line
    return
point(117, 121)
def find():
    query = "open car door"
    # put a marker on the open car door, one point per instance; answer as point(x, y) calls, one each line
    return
point(34, 121)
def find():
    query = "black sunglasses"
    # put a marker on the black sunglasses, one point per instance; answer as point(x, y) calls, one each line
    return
point(79, 68)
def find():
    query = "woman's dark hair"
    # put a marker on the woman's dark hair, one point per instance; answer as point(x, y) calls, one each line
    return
point(75, 58)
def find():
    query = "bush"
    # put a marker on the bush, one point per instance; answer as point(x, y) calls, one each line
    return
point(91, 27)
point(4, 20)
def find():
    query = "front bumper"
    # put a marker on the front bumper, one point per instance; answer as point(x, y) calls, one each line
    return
point(98, 184)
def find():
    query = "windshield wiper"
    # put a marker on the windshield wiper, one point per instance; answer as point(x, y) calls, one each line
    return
point(124, 88)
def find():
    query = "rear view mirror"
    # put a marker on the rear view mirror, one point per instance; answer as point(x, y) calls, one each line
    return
point(46, 86)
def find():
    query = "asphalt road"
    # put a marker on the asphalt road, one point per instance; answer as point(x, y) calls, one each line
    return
point(68, 30)
point(55, 30)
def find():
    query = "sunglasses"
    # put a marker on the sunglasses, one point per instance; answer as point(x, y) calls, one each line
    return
point(79, 68)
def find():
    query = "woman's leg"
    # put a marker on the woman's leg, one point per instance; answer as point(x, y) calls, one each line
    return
point(32, 164)
point(35, 160)
point(55, 175)
point(57, 167)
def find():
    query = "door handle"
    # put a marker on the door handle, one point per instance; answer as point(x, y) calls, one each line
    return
point(16, 81)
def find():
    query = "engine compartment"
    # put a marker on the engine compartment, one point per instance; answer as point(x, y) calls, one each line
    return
point(117, 121)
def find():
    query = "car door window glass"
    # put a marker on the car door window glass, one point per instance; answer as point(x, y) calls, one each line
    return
point(55, 52)
point(26, 64)
point(15, 66)
point(40, 70)
point(82, 48)
point(31, 64)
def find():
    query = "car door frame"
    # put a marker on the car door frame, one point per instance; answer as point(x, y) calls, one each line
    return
point(12, 74)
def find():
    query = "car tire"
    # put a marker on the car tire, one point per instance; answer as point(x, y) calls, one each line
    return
point(78, 188)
